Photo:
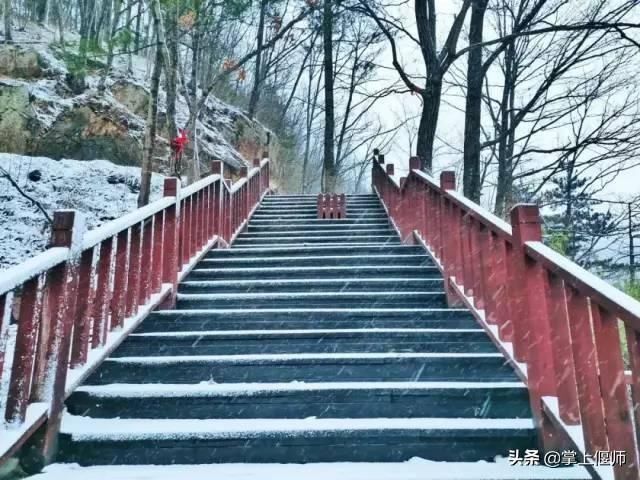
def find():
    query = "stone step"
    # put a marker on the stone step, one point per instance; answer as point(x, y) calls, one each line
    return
point(372, 299)
point(317, 367)
point(298, 400)
point(305, 318)
point(305, 341)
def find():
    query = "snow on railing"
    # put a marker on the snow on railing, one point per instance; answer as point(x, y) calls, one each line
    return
point(561, 321)
point(68, 300)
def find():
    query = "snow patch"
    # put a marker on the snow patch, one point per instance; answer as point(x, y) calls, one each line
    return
point(65, 184)
point(414, 469)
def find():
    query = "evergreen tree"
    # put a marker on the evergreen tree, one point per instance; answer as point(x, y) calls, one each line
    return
point(576, 225)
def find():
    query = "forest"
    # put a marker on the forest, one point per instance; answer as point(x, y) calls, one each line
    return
point(528, 100)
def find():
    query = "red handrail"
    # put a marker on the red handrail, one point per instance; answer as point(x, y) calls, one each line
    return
point(75, 302)
point(556, 322)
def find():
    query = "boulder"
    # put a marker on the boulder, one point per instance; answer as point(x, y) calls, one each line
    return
point(20, 62)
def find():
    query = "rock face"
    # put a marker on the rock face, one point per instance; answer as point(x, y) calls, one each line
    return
point(20, 62)
point(41, 115)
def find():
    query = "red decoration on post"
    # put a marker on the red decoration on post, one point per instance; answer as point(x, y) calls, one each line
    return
point(332, 206)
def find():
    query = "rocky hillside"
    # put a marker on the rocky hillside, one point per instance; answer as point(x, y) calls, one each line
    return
point(44, 112)
point(70, 146)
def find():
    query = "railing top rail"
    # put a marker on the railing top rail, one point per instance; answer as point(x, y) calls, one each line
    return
point(589, 285)
point(607, 296)
point(199, 185)
point(490, 220)
point(15, 276)
point(100, 234)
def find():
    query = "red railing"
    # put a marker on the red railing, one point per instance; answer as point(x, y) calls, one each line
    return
point(75, 302)
point(332, 206)
point(555, 321)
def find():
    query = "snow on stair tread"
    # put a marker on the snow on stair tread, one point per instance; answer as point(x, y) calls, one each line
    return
point(287, 357)
point(419, 268)
point(376, 294)
point(114, 390)
point(372, 256)
point(319, 331)
point(187, 311)
point(303, 281)
point(87, 428)
point(414, 469)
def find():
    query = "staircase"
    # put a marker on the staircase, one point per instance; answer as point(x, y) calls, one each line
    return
point(309, 341)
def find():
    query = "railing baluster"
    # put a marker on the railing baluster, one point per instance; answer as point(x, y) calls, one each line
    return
point(586, 368)
point(103, 294)
point(24, 354)
point(133, 283)
point(618, 413)
point(561, 349)
point(82, 324)
point(118, 308)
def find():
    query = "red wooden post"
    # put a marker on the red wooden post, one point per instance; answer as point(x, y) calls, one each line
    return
point(103, 293)
point(67, 231)
point(633, 348)
point(527, 226)
point(171, 240)
point(618, 412)
point(158, 251)
point(561, 349)
point(517, 305)
point(586, 367)
point(146, 262)
point(501, 284)
point(24, 353)
point(133, 283)
point(82, 324)
point(120, 277)
point(450, 246)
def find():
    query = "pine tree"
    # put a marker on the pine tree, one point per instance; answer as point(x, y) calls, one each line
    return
point(576, 224)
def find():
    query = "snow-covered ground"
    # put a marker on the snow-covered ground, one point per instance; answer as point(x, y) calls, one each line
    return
point(64, 184)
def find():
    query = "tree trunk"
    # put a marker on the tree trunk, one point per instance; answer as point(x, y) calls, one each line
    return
point(473, 112)
point(41, 11)
point(150, 130)
point(329, 167)
point(8, 37)
point(257, 80)
point(117, 7)
point(429, 122)
point(138, 23)
point(60, 21)
point(504, 188)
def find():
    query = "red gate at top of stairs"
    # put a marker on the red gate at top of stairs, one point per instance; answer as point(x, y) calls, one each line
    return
point(554, 321)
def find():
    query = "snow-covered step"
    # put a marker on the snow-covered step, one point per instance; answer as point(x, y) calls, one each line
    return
point(351, 243)
point(316, 250)
point(306, 318)
point(297, 232)
point(316, 367)
point(413, 469)
point(309, 260)
point(335, 284)
point(273, 272)
point(318, 222)
point(306, 341)
point(303, 400)
point(245, 239)
point(381, 298)
point(158, 441)
point(280, 226)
